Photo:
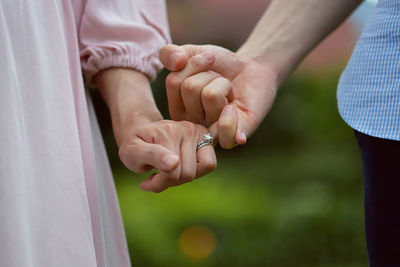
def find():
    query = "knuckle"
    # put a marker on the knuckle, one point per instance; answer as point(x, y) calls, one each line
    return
point(189, 86)
point(188, 176)
point(170, 126)
point(210, 165)
point(209, 94)
point(186, 124)
point(188, 127)
point(197, 61)
point(122, 154)
point(172, 81)
point(173, 177)
point(224, 81)
point(166, 124)
point(165, 130)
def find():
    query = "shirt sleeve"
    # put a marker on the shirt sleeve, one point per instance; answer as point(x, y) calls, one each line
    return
point(122, 33)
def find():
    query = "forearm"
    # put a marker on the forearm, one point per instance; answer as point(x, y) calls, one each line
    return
point(290, 29)
point(128, 95)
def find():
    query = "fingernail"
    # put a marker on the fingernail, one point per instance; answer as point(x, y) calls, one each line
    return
point(170, 160)
point(243, 136)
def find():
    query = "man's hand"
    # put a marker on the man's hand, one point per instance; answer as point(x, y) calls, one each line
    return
point(226, 91)
point(285, 34)
point(169, 147)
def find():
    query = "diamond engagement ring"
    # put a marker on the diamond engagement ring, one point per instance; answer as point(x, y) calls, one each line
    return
point(206, 140)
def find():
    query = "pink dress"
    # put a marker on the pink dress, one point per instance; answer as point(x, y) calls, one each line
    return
point(58, 205)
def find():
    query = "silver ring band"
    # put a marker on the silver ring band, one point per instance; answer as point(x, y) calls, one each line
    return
point(206, 140)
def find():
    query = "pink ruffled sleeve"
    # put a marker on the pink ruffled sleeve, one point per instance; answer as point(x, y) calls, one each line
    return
point(122, 33)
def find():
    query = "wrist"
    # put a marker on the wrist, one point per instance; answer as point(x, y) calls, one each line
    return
point(128, 113)
point(275, 60)
point(129, 98)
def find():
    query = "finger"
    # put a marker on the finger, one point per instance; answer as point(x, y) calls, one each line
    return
point(175, 57)
point(227, 63)
point(196, 64)
point(214, 97)
point(206, 160)
point(140, 155)
point(172, 140)
point(241, 135)
point(188, 163)
point(175, 102)
point(227, 126)
point(213, 130)
point(188, 154)
point(191, 92)
point(172, 57)
point(159, 182)
point(156, 183)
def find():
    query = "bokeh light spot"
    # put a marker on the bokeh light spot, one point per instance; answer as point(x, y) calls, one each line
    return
point(197, 242)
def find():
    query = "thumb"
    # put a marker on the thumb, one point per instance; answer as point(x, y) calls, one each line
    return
point(142, 155)
point(240, 136)
point(227, 127)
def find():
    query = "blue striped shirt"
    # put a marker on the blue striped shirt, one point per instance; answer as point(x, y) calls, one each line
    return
point(369, 88)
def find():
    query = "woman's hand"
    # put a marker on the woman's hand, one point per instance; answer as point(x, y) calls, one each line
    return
point(169, 147)
point(213, 86)
point(145, 140)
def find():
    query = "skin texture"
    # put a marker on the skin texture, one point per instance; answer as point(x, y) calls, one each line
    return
point(232, 92)
point(241, 77)
point(145, 140)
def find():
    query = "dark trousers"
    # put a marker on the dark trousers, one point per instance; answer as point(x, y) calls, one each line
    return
point(381, 172)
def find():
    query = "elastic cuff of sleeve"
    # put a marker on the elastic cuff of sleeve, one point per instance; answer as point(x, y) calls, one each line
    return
point(148, 64)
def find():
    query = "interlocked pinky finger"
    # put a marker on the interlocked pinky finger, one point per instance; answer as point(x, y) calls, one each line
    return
point(227, 127)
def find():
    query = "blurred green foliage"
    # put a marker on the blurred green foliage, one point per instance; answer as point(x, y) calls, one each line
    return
point(292, 196)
